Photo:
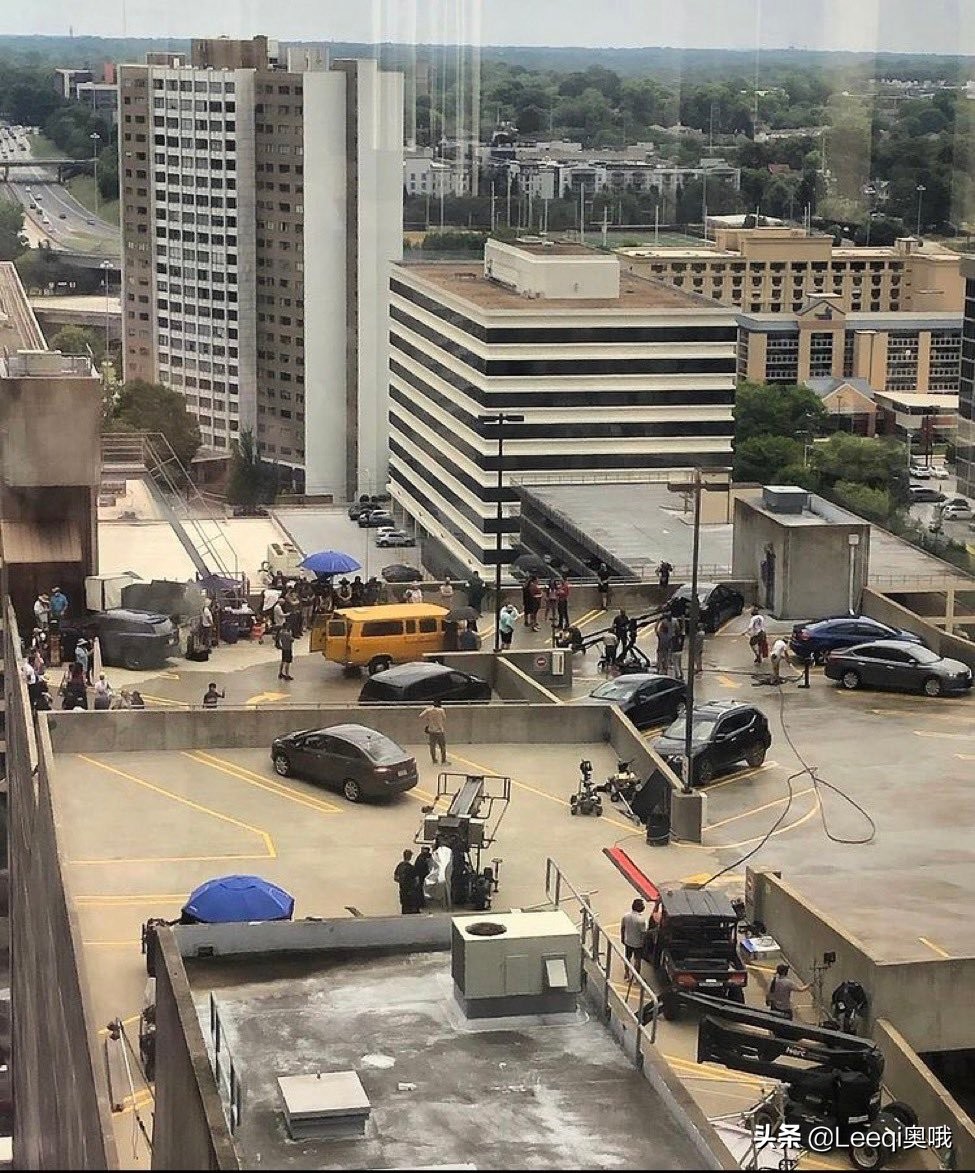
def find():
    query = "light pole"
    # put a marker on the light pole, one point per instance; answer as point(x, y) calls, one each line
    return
point(920, 189)
point(498, 420)
point(96, 138)
point(105, 267)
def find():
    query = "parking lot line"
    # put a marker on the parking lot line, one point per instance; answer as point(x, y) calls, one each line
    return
point(113, 901)
point(244, 775)
point(271, 853)
point(739, 775)
point(934, 948)
point(946, 736)
point(758, 809)
point(164, 700)
point(966, 757)
point(631, 827)
point(728, 682)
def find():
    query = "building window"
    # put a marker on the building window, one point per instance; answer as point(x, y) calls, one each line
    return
point(849, 337)
point(782, 359)
point(944, 371)
point(742, 354)
point(902, 353)
point(821, 354)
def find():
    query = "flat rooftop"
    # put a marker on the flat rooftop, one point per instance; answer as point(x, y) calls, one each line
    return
point(467, 282)
point(505, 1097)
point(18, 326)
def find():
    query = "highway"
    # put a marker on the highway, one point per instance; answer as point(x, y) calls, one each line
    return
point(58, 218)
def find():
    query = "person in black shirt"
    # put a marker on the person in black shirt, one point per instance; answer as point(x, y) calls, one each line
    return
point(212, 695)
point(404, 875)
point(422, 866)
point(602, 583)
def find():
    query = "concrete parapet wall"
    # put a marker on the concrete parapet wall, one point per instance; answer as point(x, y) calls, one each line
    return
point(907, 1078)
point(880, 606)
point(255, 728)
point(389, 933)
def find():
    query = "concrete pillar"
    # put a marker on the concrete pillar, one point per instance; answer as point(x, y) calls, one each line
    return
point(950, 610)
point(923, 360)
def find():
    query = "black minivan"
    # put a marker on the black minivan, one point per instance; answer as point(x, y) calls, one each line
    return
point(421, 684)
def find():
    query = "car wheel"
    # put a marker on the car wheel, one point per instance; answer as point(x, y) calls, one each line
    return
point(932, 686)
point(352, 790)
point(903, 1113)
point(850, 679)
point(736, 994)
point(755, 754)
point(704, 771)
point(866, 1156)
point(379, 664)
point(281, 765)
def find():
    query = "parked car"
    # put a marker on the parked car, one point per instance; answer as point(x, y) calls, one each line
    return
point(395, 537)
point(718, 602)
point(920, 472)
point(896, 664)
point(354, 759)
point(421, 683)
point(814, 641)
point(723, 733)
point(357, 508)
point(128, 638)
point(922, 494)
point(957, 512)
point(645, 697)
point(940, 472)
point(376, 519)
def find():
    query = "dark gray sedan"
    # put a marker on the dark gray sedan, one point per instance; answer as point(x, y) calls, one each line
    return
point(352, 758)
point(895, 664)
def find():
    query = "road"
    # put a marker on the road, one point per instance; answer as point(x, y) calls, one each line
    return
point(58, 218)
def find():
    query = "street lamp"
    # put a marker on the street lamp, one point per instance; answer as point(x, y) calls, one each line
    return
point(498, 420)
point(96, 138)
point(105, 267)
point(920, 189)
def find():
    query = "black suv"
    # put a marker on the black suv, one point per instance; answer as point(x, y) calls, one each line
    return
point(129, 639)
point(723, 734)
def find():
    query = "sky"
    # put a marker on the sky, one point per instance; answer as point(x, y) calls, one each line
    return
point(907, 26)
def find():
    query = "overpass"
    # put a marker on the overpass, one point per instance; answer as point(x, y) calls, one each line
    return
point(91, 260)
point(11, 169)
point(94, 310)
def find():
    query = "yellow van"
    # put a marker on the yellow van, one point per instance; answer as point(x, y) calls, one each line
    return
point(378, 637)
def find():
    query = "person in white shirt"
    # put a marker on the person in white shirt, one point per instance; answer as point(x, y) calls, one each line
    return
point(757, 638)
point(42, 612)
point(206, 624)
point(778, 657)
point(447, 592)
point(633, 933)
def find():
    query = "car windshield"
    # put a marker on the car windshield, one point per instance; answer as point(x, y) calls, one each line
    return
point(380, 749)
point(702, 728)
point(616, 690)
point(925, 655)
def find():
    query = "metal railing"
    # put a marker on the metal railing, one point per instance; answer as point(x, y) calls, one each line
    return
point(193, 517)
point(608, 957)
point(960, 580)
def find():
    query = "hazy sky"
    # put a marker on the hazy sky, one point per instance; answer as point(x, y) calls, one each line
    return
point(911, 26)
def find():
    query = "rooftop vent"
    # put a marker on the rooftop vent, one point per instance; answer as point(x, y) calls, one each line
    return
point(329, 1104)
point(785, 499)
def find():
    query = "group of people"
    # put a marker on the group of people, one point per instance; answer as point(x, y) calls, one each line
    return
point(550, 599)
point(409, 876)
point(757, 635)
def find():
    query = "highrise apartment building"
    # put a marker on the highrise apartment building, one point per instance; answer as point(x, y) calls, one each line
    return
point(965, 439)
point(261, 206)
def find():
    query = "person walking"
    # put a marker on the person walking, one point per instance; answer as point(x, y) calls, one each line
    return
point(206, 624)
point(664, 632)
point(780, 991)
point(422, 865)
point(404, 875)
point(506, 624)
point(82, 657)
point(59, 607)
point(562, 602)
point(621, 625)
point(211, 696)
point(602, 585)
point(286, 643)
point(475, 591)
point(611, 643)
point(633, 933)
point(756, 635)
point(778, 657)
point(435, 726)
point(663, 574)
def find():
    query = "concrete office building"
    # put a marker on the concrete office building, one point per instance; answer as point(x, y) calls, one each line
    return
point(618, 378)
point(261, 205)
point(965, 439)
point(774, 270)
point(915, 352)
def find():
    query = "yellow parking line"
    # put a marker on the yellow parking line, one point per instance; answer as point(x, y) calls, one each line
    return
point(728, 682)
point(107, 901)
point(179, 798)
point(687, 846)
point(934, 948)
point(252, 779)
point(966, 757)
point(164, 700)
point(947, 736)
point(739, 775)
point(757, 809)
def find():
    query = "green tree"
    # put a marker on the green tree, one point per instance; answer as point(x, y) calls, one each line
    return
point(877, 462)
point(872, 503)
point(251, 481)
point(764, 459)
point(12, 242)
point(79, 340)
point(151, 407)
point(763, 410)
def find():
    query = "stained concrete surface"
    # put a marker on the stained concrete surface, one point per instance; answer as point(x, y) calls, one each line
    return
point(530, 1096)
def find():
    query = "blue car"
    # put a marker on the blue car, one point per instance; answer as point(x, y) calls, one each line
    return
point(813, 641)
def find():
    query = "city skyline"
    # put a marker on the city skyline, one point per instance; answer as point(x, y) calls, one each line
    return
point(902, 26)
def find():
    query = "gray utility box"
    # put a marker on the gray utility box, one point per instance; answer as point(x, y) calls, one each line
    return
point(785, 498)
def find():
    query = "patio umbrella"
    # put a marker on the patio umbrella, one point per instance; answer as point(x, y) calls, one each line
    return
point(461, 615)
point(330, 562)
point(529, 564)
point(238, 899)
point(400, 573)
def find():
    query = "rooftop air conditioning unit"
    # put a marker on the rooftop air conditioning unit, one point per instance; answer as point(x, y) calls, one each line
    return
point(785, 499)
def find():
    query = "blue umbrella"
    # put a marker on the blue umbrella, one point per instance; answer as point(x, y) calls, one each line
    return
point(238, 899)
point(330, 562)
